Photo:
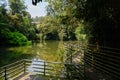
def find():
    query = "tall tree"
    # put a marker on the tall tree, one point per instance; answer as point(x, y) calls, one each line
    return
point(17, 6)
point(104, 19)
point(21, 19)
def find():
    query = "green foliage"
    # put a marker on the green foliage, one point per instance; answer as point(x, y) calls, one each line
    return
point(66, 19)
point(80, 34)
point(15, 24)
point(103, 16)
point(17, 6)
point(52, 27)
point(101, 19)
point(47, 28)
point(16, 38)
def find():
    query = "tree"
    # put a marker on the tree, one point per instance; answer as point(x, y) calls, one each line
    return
point(48, 28)
point(104, 19)
point(21, 19)
point(16, 21)
point(4, 22)
point(17, 6)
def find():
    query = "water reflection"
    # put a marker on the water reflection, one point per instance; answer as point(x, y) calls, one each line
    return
point(49, 50)
point(46, 50)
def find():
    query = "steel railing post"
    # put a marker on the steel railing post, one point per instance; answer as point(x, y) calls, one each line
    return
point(44, 68)
point(24, 65)
point(5, 73)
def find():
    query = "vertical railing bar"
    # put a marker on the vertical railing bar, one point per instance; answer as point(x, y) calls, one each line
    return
point(84, 74)
point(24, 65)
point(71, 58)
point(44, 68)
point(5, 73)
point(71, 54)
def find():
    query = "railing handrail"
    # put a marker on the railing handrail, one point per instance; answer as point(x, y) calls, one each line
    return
point(104, 59)
point(6, 68)
point(106, 47)
point(7, 71)
point(100, 58)
point(12, 63)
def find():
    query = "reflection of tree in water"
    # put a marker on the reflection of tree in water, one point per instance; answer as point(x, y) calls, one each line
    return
point(42, 43)
point(12, 54)
point(48, 50)
point(60, 50)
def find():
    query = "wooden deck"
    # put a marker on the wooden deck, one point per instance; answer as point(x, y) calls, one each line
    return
point(29, 76)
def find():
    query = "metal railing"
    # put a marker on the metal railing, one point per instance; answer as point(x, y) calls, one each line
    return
point(73, 53)
point(100, 63)
point(51, 69)
point(54, 70)
point(103, 62)
point(12, 70)
point(72, 50)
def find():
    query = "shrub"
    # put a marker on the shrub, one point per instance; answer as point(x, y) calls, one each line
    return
point(16, 38)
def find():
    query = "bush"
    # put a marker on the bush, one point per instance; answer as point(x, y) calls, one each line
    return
point(16, 38)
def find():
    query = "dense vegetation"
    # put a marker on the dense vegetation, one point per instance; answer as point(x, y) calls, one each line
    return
point(15, 24)
point(94, 21)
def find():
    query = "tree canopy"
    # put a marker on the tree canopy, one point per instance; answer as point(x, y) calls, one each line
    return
point(98, 19)
point(91, 20)
point(15, 22)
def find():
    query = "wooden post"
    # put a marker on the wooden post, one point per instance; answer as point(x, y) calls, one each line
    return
point(5, 73)
point(44, 68)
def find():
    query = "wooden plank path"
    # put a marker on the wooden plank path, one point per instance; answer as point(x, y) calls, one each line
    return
point(29, 76)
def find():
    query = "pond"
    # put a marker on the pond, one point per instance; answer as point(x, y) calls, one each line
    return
point(46, 50)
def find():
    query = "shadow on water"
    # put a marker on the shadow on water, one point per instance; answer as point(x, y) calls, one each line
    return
point(12, 54)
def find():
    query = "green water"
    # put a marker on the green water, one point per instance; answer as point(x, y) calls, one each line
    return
point(47, 50)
